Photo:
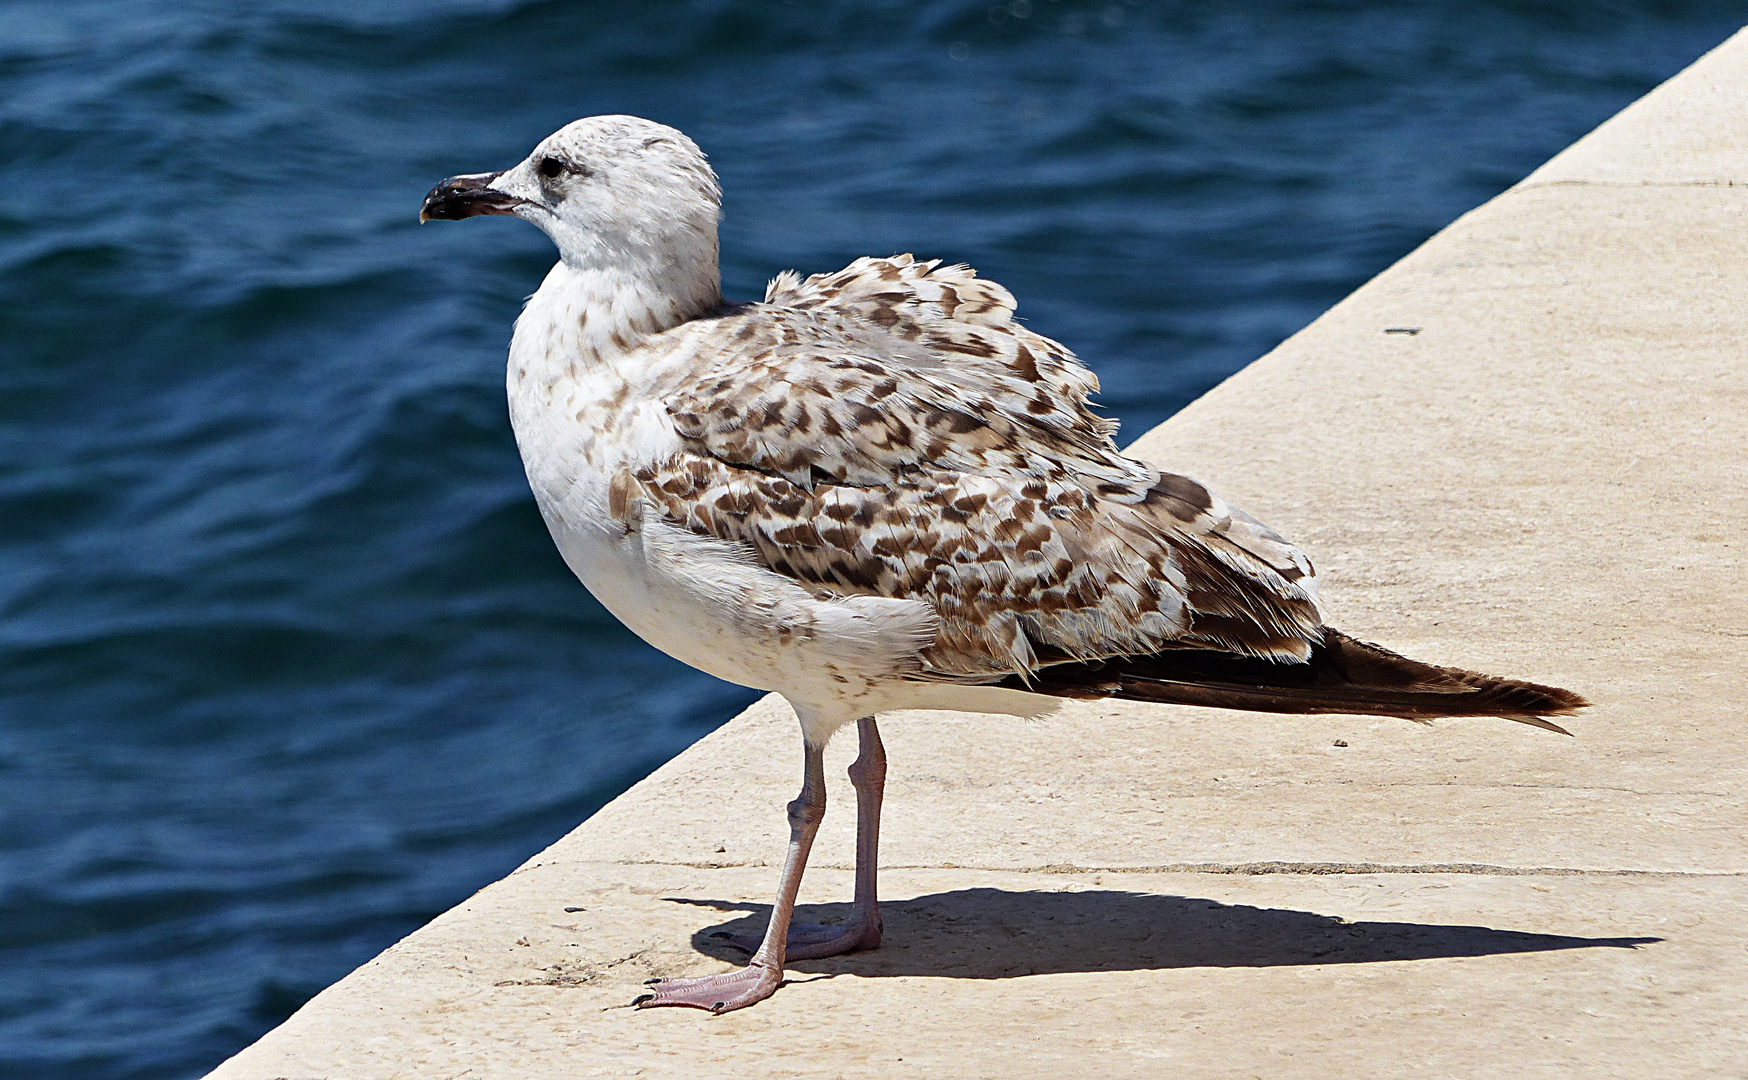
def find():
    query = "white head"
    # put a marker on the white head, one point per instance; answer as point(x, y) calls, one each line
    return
point(622, 197)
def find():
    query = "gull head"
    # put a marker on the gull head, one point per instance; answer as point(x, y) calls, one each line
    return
point(617, 194)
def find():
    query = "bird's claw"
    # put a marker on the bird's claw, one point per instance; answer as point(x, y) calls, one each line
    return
point(722, 993)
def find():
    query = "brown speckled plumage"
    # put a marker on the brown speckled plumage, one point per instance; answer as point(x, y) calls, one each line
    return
point(891, 430)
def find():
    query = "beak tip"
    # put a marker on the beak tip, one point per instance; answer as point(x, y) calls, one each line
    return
point(464, 197)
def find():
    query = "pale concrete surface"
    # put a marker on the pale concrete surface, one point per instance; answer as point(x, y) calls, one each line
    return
point(1547, 480)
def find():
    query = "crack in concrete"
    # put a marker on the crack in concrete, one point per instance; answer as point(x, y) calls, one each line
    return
point(1285, 781)
point(1311, 869)
point(1559, 787)
point(1628, 184)
point(1329, 868)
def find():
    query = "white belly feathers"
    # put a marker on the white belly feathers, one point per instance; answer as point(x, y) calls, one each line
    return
point(581, 418)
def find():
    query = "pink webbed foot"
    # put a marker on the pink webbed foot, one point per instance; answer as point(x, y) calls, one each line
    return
point(722, 993)
point(811, 941)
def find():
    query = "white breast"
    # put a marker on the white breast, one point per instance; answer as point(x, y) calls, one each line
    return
point(580, 417)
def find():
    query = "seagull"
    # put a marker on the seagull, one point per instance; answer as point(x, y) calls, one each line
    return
point(875, 490)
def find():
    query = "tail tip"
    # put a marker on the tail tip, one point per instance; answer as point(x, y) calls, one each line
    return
point(1555, 702)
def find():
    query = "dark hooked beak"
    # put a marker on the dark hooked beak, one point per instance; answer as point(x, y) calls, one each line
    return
point(467, 196)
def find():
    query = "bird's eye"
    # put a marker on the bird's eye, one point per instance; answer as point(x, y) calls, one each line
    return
point(550, 168)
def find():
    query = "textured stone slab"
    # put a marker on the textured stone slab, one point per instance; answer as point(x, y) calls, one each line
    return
point(997, 974)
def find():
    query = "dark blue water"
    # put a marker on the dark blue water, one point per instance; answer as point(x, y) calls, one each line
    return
point(287, 662)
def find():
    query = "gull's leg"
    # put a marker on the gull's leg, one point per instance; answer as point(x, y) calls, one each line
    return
point(764, 972)
point(808, 941)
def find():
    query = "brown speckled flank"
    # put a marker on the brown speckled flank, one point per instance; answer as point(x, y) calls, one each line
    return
point(890, 430)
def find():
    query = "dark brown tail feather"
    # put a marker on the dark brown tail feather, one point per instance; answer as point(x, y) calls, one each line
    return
point(1342, 676)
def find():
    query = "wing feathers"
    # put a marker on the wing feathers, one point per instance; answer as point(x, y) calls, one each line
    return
point(1343, 675)
point(890, 430)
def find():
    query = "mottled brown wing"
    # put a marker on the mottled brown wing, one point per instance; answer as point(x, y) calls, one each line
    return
point(853, 451)
point(962, 319)
point(892, 364)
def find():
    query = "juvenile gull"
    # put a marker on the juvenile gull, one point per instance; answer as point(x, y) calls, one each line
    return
point(873, 491)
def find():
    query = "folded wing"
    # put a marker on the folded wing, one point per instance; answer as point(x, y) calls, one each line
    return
point(890, 430)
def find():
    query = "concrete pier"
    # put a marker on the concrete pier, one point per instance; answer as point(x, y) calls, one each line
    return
point(1523, 449)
